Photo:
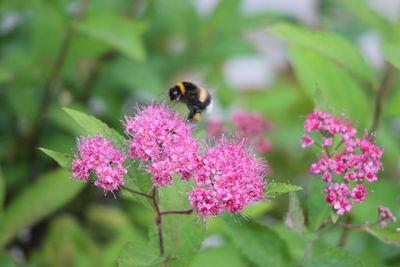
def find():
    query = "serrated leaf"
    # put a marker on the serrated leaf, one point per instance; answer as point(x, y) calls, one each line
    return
point(38, 200)
point(391, 51)
point(62, 159)
point(334, 86)
point(388, 235)
point(295, 218)
point(318, 209)
point(121, 33)
point(260, 244)
point(328, 44)
point(277, 189)
point(138, 255)
point(334, 257)
point(94, 126)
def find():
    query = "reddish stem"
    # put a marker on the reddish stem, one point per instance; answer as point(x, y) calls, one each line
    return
point(136, 192)
point(158, 222)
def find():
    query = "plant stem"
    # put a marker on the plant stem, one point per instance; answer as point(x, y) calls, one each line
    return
point(158, 222)
point(310, 244)
point(380, 94)
point(136, 192)
point(177, 212)
point(51, 81)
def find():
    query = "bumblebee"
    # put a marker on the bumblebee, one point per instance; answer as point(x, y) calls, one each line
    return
point(196, 98)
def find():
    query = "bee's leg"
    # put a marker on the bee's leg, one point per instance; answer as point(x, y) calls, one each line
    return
point(194, 114)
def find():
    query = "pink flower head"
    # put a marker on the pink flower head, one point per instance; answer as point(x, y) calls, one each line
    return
point(99, 156)
point(306, 141)
point(359, 192)
point(227, 178)
point(354, 159)
point(252, 127)
point(215, 128)
point(385, 214)
point(163, 141)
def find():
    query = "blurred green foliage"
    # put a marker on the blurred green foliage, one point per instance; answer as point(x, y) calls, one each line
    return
point(106, 57)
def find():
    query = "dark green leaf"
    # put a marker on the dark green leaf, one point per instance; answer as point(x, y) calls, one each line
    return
point(277, 189)
point(388, 235)
point(329, 45)
point(119, 32)
point(260, 244)
point(224, 256)
point(138, 255)
point(183, 234)
point(295, 218)
point(38, 200)
point(334, 257)
point(318, 209)
point(93, 126)
point(62, 159)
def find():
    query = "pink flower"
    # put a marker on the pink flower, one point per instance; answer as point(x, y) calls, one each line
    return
point(359, 193)
point(162, 141)
point(385, 214)
point(215, 128)
point(355, 159)
point(99, 156)
point(306, 141)
point(228, 178)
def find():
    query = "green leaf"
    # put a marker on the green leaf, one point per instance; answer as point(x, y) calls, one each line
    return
point(50, 192)
point(93, 126)
point(318, 209)
point(368, 16)
point(2, 191)
point(388, 235)
point(391, 51)
point(117, 31)
point(334, 216)
point(280, 188)
point(295, 218)
point(224, 256)
point(62, 159)
point(67, 242)
point(138, 255)
point(332, 258)
point(260, 244)
point(336, 88)
point(329, 45)
point(183, 234)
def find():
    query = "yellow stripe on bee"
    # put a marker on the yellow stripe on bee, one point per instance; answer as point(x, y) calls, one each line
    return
point(181, 88)
point(197, 117)
point(202, 94)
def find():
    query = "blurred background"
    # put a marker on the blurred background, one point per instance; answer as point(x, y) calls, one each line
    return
point(107, 57)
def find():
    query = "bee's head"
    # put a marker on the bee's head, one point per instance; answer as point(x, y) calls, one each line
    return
point(174, 93)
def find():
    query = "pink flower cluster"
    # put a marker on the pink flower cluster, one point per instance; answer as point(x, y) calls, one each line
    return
point(250, 126)
point(227, 178)
point(352, 160)
point(163, 141)
point(98, 156)
point(385, 214)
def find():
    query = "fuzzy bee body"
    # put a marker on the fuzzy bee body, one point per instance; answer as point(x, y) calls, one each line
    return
point(196, 98)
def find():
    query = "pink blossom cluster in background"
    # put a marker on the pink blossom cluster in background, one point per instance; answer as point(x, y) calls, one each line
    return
point(163, 142)
point(250, 126)
point(228, 178)
point(98, 155)
point(351, 160)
